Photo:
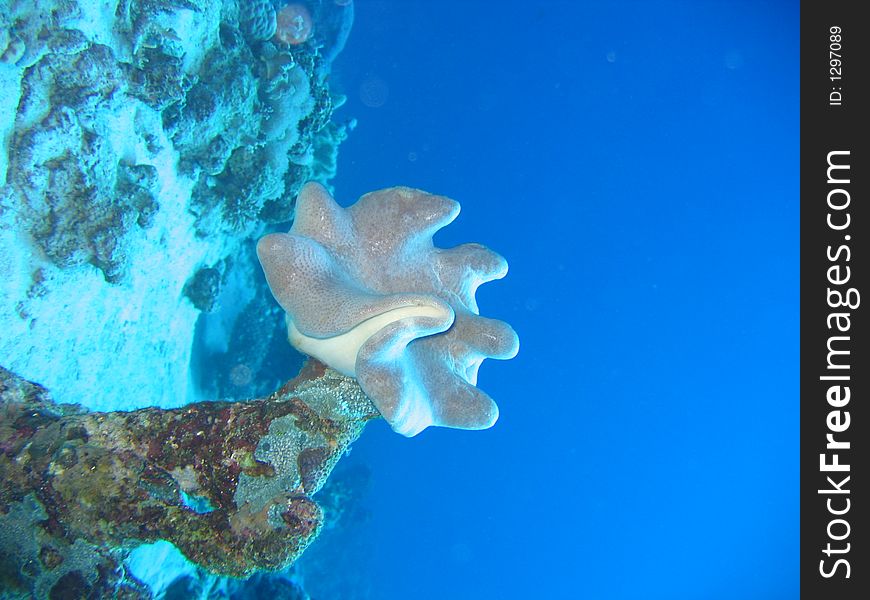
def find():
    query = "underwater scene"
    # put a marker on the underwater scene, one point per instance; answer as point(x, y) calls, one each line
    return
point(244, 324)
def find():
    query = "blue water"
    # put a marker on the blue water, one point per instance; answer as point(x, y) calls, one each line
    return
point(637, 164)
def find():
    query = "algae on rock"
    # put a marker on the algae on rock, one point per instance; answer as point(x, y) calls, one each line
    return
point(229, 484)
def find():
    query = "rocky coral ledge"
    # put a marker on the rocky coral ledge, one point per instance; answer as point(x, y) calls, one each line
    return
point(230, 484)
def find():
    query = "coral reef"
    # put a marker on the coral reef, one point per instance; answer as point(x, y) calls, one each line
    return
point(143, 144)
point(367, 293)
point(258, 20)
point(80, 488)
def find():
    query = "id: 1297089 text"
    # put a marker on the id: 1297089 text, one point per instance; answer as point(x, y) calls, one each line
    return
point(835, 70)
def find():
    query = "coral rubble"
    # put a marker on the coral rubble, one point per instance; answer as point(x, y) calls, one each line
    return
point(229, 484)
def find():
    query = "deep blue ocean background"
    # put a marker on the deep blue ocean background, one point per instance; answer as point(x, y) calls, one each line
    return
point(637, 164)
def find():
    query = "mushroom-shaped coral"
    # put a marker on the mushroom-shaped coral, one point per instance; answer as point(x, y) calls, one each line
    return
point(367, 293)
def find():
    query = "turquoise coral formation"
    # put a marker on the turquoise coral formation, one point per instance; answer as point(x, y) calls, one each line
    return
point(257, 20)
point(143, 144)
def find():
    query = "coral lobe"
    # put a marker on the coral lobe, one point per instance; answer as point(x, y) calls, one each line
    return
point(368, 293)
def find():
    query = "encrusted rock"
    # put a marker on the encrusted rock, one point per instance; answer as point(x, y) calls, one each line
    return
point(77, 486)
point(203, 288)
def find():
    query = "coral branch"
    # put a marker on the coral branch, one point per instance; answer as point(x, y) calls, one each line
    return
point(230, 484)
